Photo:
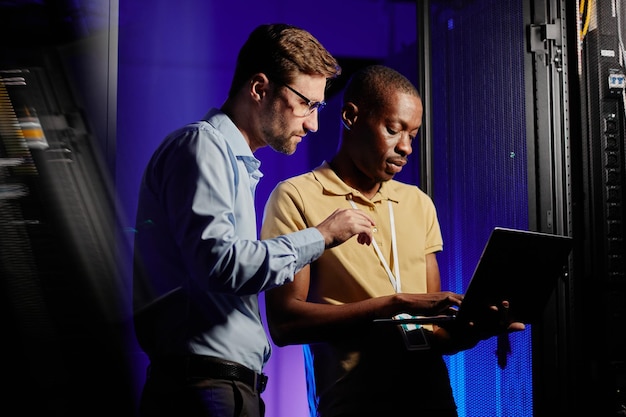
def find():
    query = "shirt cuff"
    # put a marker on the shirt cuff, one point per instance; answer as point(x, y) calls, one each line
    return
point(309, 244)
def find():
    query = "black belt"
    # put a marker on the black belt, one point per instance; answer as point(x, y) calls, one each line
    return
point(207, 367)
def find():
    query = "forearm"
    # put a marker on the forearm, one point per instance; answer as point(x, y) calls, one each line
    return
point(306, 322)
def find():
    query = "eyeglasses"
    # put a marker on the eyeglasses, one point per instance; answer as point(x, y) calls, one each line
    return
point(311, 105)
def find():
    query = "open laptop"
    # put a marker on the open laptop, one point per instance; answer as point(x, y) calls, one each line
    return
point(520, 266)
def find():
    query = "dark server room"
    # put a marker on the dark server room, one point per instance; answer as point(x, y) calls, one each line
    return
point(523, 127)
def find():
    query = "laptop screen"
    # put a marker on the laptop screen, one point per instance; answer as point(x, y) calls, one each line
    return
point(520, 266)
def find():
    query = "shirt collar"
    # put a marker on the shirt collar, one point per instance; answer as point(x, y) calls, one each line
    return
point(334, 185)
point(220, 121)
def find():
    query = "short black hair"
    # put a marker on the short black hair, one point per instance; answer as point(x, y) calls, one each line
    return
point(371, 85)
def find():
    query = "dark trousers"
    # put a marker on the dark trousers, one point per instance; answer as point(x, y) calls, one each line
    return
point(164, 397)
point(407, 413)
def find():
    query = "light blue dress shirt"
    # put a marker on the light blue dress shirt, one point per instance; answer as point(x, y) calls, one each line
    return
point(199, 265)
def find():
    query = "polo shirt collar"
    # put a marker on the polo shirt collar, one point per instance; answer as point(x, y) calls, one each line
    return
point(333, 185)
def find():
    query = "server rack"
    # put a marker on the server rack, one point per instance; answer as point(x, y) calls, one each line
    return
point(601, 266)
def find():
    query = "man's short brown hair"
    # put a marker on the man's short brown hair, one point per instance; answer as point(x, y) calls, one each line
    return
point(282, 51)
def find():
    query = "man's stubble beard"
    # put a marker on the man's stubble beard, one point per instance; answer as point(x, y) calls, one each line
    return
point(282, 145)
point(274, 136)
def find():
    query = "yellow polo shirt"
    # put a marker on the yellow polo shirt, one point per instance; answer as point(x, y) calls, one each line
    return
point(351, 271)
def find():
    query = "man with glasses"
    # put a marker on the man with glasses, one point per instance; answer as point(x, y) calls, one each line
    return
point(199, 265)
